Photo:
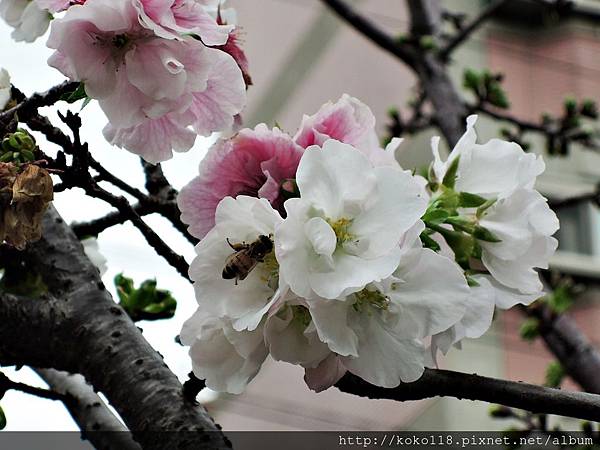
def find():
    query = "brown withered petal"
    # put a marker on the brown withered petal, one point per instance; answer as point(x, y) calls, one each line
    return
point(21, 220)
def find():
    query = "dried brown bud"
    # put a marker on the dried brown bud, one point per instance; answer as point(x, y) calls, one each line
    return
point(25, 198)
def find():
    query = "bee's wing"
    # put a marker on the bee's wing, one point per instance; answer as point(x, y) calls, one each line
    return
point(242, 276)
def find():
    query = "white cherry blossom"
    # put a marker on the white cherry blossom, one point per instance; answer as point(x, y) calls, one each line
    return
point(344, 230)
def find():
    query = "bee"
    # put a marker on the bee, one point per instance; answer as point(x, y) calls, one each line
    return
point(239, 264)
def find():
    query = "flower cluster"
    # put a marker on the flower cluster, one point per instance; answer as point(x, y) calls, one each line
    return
point(320, 250)
point(163, 71)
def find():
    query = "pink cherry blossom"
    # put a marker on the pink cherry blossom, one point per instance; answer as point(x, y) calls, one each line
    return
point(348, 120)
point(254, 162)
point(213, 109)
point(146, 85)
point(171, 18)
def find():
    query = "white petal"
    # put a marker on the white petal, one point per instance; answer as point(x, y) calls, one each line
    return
point(520, 274)
point(330, 318)
point(385, 359)
point(399, 204)
point(288, 342)
point(216, 359)
point(321, 236)
point(327, 177)
point(431, 296)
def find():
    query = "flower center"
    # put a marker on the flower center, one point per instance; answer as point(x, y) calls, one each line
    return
point(270, 269)
point(301, 316)
point(120, 41)
point(367, 299)
point(341, 229)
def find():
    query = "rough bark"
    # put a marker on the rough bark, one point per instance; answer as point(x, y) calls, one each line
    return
point(76, 327)
point(96, 422)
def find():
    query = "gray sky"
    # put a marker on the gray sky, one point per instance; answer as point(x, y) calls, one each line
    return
point(123, 246)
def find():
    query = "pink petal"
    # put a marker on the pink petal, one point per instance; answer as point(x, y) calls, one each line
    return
point(241, 165)
point(348, 120)
point(154, 139)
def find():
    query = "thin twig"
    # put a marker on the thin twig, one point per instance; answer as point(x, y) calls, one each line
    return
point(463, 34)
point(7, 384)
point(371, 31)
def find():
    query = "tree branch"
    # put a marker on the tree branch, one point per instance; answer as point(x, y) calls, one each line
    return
point(95, 420)
point(371, 31)
point(446, 383)
point(30, 105)
point(7, 384)
point(463, 34)
point(77, 327)
point(575, 352)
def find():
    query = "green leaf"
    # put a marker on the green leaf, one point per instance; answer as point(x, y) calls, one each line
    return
point(435, 216)
point(555, 373)
point(560, 300)
point(472, 282)
point(450, 176)
point(145, 302)
point(483, 234)
point(461, 223)
point(2, 419)
point(471, 80)
point(467, 200)
point(497, 96)
point(462, 244)
point(77, 94)
point(483, 208)
point(530, 329)
point(429, 242)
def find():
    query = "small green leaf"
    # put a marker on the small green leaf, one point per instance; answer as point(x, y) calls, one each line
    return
point(450, 176)
point(472, 282)
point(555, 373)
point(435, 216)
point(483, 208)
point(483, 234)
point(77, 94)
point(467, 200)
point(560, 300)
point(530, 329)
point(471, 80)
point(461, 223)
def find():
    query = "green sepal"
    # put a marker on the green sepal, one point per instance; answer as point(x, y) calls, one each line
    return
point(472, 282)
point(483, 234)
point(450, 176)
point(435, 216)
point(484, 207)
point(461, 223)
point(467, 200)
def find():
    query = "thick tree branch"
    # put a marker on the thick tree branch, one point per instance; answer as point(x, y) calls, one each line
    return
point(445, 383)
point(575, 352)
point(464, 34)
point(78, 328)
point(95, 420)
point(371, 31)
